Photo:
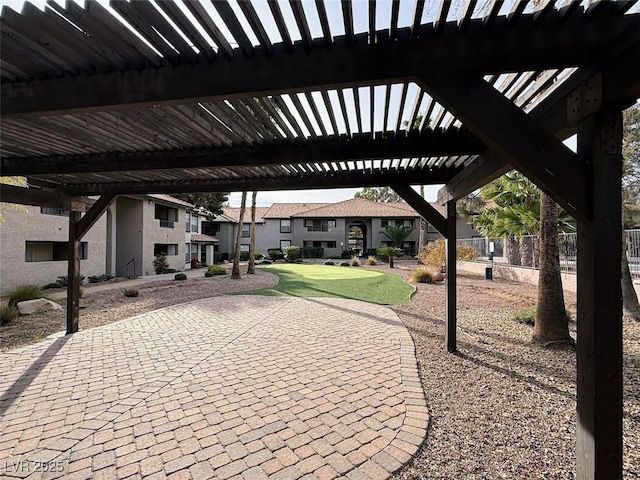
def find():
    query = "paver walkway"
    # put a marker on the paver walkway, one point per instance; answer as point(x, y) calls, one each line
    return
point(227, 387)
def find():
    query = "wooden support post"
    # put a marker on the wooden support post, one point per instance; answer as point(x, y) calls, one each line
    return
point(73, 274)
point(451, 277)
point(599, 343)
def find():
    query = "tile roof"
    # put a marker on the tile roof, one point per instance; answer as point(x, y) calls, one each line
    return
point(199, 237)
point(232, 214)
point(169, 199)
point(359, 207)
point(287, 210)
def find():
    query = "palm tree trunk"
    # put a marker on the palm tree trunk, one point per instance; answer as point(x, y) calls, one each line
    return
point(423, 226)
point(235, 270)
point(251, 269)
point(552, 323)
point(526, 251)
point(630, 304)
point(513, 250)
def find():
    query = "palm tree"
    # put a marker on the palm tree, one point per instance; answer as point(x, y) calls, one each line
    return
point(389, 252)
point(552, 323)
point(251, 269)
point(235, 270)
point(397, 234)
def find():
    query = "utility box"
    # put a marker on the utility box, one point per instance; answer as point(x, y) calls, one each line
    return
point(488, 273)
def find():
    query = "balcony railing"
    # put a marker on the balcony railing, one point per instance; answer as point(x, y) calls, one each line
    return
point(166, 224)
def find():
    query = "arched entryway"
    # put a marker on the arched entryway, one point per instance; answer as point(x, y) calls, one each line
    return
point(357, 239)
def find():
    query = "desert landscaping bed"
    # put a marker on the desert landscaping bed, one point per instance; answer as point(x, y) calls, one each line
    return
point(501, 407)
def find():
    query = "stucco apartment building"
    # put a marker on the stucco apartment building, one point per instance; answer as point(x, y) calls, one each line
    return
point(354, 224)
point(123, 242)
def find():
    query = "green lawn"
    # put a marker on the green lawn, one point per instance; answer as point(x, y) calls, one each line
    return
point(356, 283)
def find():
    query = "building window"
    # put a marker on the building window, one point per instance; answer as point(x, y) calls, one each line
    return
point(285, 225)
point(187, 223)
point(244, 248)
point(398, 221)
point(187, 252)
point(61, 212)
point(319, 244)
point(168, 249)
point(167, 215)
point(407, 223)
point(285, 244)
point(210, 228)
point(320, 225)
point(246, 230)
point(194, 223)
point(52, 251)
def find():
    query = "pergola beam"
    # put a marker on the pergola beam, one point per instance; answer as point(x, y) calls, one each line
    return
point(333, 149)
point(477, 50)
point(420, 205)
point(354, 179)
point(514, 135)
point(38, 197)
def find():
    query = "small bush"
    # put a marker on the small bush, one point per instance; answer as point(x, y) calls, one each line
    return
point(160, 264)
point(130, 292)
point(180, 276)
point(171, 270)
point(527, 316)
point(292, 253)
point(63, 281)
point(265, 262)
point(372, 260)
point(275, 254)
point(51, 285)
point(347, 253)
point(434, 254)
point(329, 262)
point(345, 264)
point(99, 278)
point(258, 255)
point(7, 313)
point(422, 275)
point(354, 261)
point(26, 291)
point(208, 274)
point(217, 270)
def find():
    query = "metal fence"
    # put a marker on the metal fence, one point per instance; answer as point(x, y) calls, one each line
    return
point(524, 252)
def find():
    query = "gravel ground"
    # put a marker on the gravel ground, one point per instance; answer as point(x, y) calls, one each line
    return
point(101, 308)
point(502, 407)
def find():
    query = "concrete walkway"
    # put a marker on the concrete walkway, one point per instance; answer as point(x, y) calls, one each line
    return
point(229, 387)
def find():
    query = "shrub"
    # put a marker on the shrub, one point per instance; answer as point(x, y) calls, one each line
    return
point(389, 253)
point(171, 270)
point(527, 316)
point(292, 253)
point(217, 270)
point(180, 276)
point(372, 260)
point(347, 253)
point(345, 264)
point(26, 291)
point(208, 274)
point(422, 275)
point(275, 254)
point(51, 285)
point(258, 255)
point(63, 281)
point(203, 265)
point(219, 257)
point(434, 254)
point(130, 292)
point(7, 313)
point(329, 262)
point(354, 261)
point(99, 278)
point(244, 256)
point(265, 262)
point(160, 264)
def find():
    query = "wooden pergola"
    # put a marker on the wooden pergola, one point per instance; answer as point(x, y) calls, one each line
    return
point(163, 97)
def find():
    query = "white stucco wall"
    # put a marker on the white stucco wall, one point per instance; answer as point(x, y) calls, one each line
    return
point(20, 227)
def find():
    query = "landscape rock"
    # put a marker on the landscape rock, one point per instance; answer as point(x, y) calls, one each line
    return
point(39, 305)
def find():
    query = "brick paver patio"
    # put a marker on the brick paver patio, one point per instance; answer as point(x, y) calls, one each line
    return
point(227, 387)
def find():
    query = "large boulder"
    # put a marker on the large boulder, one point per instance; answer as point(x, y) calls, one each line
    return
point(39, 305)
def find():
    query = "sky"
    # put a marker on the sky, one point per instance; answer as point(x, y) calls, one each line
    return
point(334, 12)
